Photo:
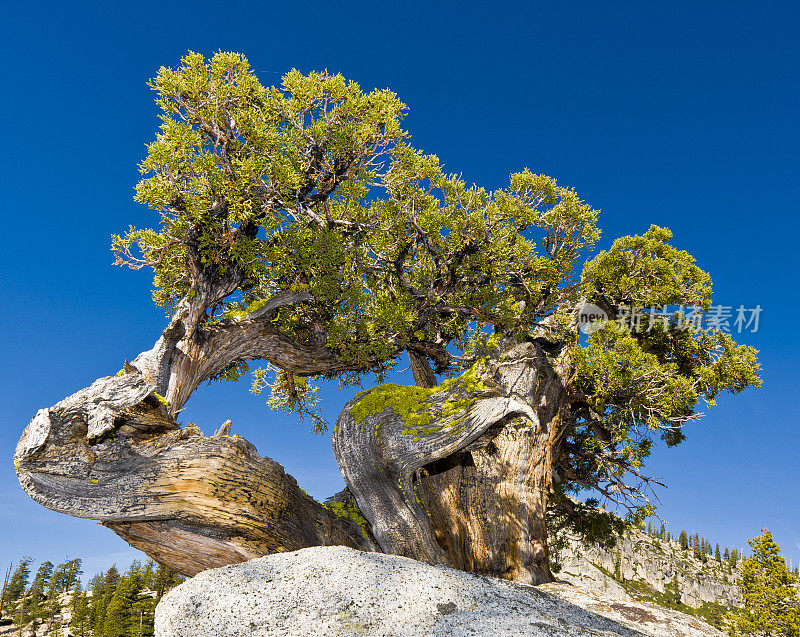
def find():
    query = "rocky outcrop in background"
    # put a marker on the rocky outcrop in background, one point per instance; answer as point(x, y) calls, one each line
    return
point(645, 568)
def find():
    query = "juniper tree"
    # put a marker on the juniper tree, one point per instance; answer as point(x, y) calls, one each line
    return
point(297, 227)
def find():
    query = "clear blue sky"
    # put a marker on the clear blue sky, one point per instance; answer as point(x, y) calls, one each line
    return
point(681, 114)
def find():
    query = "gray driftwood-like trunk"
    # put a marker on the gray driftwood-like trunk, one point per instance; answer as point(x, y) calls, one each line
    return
point(113, 453)
point(457, 474)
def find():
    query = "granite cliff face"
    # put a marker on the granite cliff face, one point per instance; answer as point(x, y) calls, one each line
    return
point(649, 569)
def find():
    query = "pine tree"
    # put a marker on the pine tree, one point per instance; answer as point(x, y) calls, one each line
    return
point(696, 545)
point(684, 541)
point(717, 555)
point(143, 616)
point(734, 558)
point(117, 606)
point(19, 580)
point(165, 579)
point(103, 588)
point(118, 617)
point(51, 605)
point(771, 603)
point(37, 594)
point(72, 574)
point(80, 612)
point(149, 574)
point(23, 614)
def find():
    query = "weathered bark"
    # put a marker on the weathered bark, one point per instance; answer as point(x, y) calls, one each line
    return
point(189, 353)
point(112, 452)
point(421, 370)
point(469, 487)
point(458, 474)
point(488, 504)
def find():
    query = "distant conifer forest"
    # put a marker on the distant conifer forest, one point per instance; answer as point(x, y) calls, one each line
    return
point(112, 604)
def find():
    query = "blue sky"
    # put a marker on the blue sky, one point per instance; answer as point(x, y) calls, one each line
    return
point(682, 114)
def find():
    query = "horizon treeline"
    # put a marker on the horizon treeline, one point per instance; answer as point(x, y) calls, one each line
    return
point(113, 604)
point(701, 548)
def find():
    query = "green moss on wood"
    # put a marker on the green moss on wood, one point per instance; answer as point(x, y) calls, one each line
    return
point(243, 312)
point(161, 399)
point(412, 404)
point(348, 510)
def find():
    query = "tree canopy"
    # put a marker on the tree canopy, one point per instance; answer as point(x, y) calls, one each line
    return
point(313, 189)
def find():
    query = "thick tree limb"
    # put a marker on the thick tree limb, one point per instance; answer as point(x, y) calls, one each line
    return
point(187, 355)
point(112, 452)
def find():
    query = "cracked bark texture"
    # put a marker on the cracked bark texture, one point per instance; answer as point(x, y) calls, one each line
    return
point(467, 485)
point(112, 452)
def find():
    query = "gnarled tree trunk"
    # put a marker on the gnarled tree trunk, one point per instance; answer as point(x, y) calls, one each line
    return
point(112, 452)
point(457, 474)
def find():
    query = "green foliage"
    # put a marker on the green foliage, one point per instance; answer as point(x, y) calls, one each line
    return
point(234, 157)
point(80, 613)
point(118, 606)
point(771, 603)
point(119, 612)
point(37, 592)
point(289, 393)
point(313, 187)
point(636, 383)
point(646, 271)
point(65, 577)
point(586, 521)
point(19, 580)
